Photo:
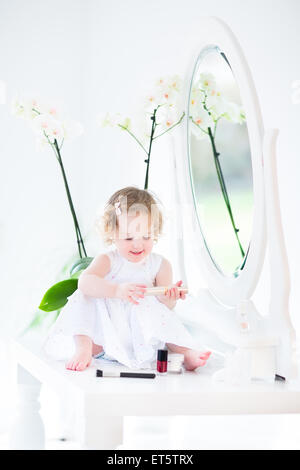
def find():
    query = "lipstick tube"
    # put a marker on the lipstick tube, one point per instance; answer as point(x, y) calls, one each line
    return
point(162, 361)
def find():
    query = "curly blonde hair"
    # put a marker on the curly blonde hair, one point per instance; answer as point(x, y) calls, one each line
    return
point(130, 200)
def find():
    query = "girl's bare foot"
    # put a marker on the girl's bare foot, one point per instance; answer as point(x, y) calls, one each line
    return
point(80, 361)
point(194, 359)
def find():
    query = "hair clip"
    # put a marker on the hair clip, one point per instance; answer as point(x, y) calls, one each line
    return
point(117, 208)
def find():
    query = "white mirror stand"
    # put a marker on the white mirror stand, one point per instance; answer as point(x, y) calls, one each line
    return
point(270, 341)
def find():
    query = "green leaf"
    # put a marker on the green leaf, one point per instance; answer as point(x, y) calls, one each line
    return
point(77, 274)
point(57, 296)
point(80, 265)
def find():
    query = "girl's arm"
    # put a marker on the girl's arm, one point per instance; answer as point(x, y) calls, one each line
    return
point(164, 277)
point(91, 281)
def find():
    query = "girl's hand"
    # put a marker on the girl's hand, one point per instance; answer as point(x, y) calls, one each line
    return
point(128, 290)
point(172, 294)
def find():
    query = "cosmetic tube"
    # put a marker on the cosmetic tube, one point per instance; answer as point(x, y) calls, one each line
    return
point(160, 290)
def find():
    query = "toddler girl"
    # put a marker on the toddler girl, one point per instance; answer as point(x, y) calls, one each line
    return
point(109, 315)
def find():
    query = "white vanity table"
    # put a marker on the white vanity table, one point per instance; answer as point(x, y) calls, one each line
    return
point(103, 402)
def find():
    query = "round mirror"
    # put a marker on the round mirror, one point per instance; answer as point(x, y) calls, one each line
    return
point(220, 162)
point(222, 170)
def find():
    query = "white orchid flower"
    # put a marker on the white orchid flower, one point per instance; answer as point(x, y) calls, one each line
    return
point(41, 142)
point(212, 98)
point(166, 99)
point(114, 120)
point(46, 125)
point(176, 83)
point(50, 109)
point(29, 107)
point(152, 101)
point(216, 105)
point(125, 122)
point(167, 90)
point(162, 96)
point(161, 82)
point(24, 108)
point(170, 82)
point(161, 111)
point(157, 98)
point(45, 120)
point(171, 96)
point(234, 113)
point(197, 97)
point(199, 133)
point(202, 119)
point(198, 87)
point(18, 107)
point(167, 117)
point(207, 81)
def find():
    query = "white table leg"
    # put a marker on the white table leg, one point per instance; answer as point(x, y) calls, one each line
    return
point(101, 432)
point(67, 416)
point(144, 432)
point(28, 430)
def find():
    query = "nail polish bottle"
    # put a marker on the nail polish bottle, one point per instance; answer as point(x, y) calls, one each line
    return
point(162, 361)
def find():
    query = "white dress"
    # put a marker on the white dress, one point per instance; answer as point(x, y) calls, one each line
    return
point(129, 333)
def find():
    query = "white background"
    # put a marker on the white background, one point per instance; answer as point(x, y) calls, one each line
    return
point(95, 56)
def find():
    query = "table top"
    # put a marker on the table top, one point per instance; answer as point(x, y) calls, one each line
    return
point(187, 393)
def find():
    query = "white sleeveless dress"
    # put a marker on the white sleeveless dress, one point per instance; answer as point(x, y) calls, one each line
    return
point(128, 333)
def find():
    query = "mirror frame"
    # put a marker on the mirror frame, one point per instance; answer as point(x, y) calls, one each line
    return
point(231, 290)
point(208, 51)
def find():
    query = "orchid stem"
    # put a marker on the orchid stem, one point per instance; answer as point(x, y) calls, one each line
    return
point(223, 189)
point(153, 117)
point(76, 224)
point(135, 138)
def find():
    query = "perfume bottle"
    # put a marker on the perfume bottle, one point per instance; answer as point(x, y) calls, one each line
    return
point(242, 316)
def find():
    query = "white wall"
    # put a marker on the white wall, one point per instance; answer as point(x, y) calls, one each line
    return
point(95, 56)
point(145, 39)
point(41, 50)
